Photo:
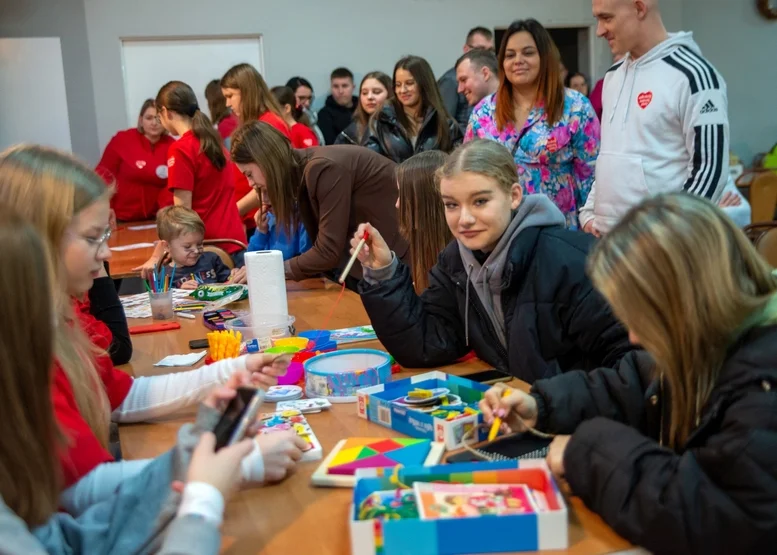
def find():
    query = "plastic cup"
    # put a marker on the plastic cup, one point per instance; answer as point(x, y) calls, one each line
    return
point(161, 305)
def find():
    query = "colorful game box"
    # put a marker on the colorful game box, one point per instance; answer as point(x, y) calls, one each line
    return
point(434, 405)
point(272, 422)
point(381, 525)
point(339, 468)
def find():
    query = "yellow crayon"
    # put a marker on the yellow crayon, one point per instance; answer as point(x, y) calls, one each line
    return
point(497, 421)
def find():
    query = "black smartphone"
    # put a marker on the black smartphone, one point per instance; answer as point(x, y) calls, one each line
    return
point(198, 344)
point(489, 376)
point(522, 446)
point(238, 416)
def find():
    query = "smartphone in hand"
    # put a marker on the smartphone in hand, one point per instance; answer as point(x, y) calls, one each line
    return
point(238, 416)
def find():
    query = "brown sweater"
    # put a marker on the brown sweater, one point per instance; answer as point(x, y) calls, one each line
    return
point(343, 186)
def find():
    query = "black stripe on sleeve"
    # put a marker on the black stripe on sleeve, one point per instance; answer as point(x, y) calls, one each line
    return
point(688, 73)
point(711, 70)
point(707, 160)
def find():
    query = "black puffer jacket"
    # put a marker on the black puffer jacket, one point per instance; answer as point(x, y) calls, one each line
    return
point(351, 135)
point(554, 320)
point(385, 136)
point(717, 495)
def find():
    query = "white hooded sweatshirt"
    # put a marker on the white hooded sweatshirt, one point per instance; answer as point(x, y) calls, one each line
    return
point(664, 128)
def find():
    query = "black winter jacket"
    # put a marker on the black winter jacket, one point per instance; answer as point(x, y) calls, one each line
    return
point(333, 118)
point(385, 136)
point(554, 320)
point(716, 495)
point(351, 136)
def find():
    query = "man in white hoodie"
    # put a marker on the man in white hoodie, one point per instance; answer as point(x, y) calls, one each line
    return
point(665, 116)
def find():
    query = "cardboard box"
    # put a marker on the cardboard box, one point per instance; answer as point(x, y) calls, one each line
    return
point(375, 404)
point(535, 531)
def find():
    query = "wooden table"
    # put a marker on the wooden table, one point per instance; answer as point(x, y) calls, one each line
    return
point(123, 262)
point(294, 517)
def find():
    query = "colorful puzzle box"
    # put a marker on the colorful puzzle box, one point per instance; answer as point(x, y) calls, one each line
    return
point(434, 405)
point(349, 455)
point(518, 507)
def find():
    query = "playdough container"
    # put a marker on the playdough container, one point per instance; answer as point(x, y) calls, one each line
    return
point(265, 330)
point(294, 374)
point(337, 376)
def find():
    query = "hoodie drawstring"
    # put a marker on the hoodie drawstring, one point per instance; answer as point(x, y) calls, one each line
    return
point(620, 92)
point(631, 95)
point(466, 307)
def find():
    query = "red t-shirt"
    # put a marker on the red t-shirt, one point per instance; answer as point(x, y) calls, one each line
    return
point(213, 195)
point(242, 188)
point(302, 136)
point(84, 451)
point(227, 125)
point(139, 171)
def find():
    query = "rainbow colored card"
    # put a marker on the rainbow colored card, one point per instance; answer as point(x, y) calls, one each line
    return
point(338, 469)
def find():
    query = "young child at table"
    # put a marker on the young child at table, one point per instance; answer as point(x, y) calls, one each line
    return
point(676, 449)
point(182, 232)
point(131, 518)
point(268, 236)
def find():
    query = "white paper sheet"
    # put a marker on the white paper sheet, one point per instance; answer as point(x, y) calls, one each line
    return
point(182, 360)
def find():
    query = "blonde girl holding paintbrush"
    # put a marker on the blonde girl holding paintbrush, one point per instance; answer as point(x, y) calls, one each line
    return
point(69, 205)
point(676, 448)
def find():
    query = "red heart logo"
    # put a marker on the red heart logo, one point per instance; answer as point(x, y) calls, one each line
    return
point(644, 99)
point(552, 144)
point(140, 164)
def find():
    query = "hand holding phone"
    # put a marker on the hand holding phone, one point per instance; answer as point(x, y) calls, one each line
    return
point(220, 469)
point(239, 414)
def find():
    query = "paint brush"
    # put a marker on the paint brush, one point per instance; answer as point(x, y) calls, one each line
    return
point(355, 254)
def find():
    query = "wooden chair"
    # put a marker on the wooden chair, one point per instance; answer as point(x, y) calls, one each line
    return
point(210, 246)
point(762, 194)
point(764, 237)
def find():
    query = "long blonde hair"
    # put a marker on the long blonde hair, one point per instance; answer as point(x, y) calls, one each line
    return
point(421, 213)
point(687, 283)
point(49, 188)
point(29, 477)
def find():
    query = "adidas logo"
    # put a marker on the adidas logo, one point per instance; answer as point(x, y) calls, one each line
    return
point(709, 108)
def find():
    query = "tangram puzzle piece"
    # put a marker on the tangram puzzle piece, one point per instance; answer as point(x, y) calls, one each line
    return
point(378, 453)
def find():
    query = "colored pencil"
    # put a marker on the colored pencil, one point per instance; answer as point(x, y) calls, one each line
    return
point(353, 257)
point(172, 277)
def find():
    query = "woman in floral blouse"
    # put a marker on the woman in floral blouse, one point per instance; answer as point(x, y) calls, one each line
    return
point(552, 132)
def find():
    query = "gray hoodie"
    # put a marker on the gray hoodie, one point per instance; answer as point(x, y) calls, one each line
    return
point(136, 519)
point(534, 211)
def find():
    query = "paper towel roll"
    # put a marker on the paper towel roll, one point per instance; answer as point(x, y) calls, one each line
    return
point(266, 283)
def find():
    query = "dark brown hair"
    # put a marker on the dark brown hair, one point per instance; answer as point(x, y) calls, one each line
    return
point(260, 143)
point(550, 89)
point(421, 214)
point(29, 468)
point(179, 97)
point(361, 117)
point(255, 97)
point(148, 103)
point(486, 33)
point(217, 105)
point(285, 97)
point(422, 72)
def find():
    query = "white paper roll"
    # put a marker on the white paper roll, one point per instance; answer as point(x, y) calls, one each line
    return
point(266, 283)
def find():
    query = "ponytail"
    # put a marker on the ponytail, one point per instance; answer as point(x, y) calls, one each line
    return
point(179, 97)
point(210, 140)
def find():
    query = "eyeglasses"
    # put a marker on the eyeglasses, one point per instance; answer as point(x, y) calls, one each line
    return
point(98, 242)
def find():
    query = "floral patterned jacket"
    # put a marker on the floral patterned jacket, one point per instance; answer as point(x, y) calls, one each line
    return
point(557, 161)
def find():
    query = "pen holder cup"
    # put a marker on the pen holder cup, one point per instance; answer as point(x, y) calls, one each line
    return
point(161, 305)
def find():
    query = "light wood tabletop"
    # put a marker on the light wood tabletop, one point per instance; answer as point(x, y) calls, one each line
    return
point(123, 262)
point(295, 517)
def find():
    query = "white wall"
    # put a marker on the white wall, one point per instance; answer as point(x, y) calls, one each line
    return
point(743, 47)
point(64, 19)
point(312, 37)
point(33, 105)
